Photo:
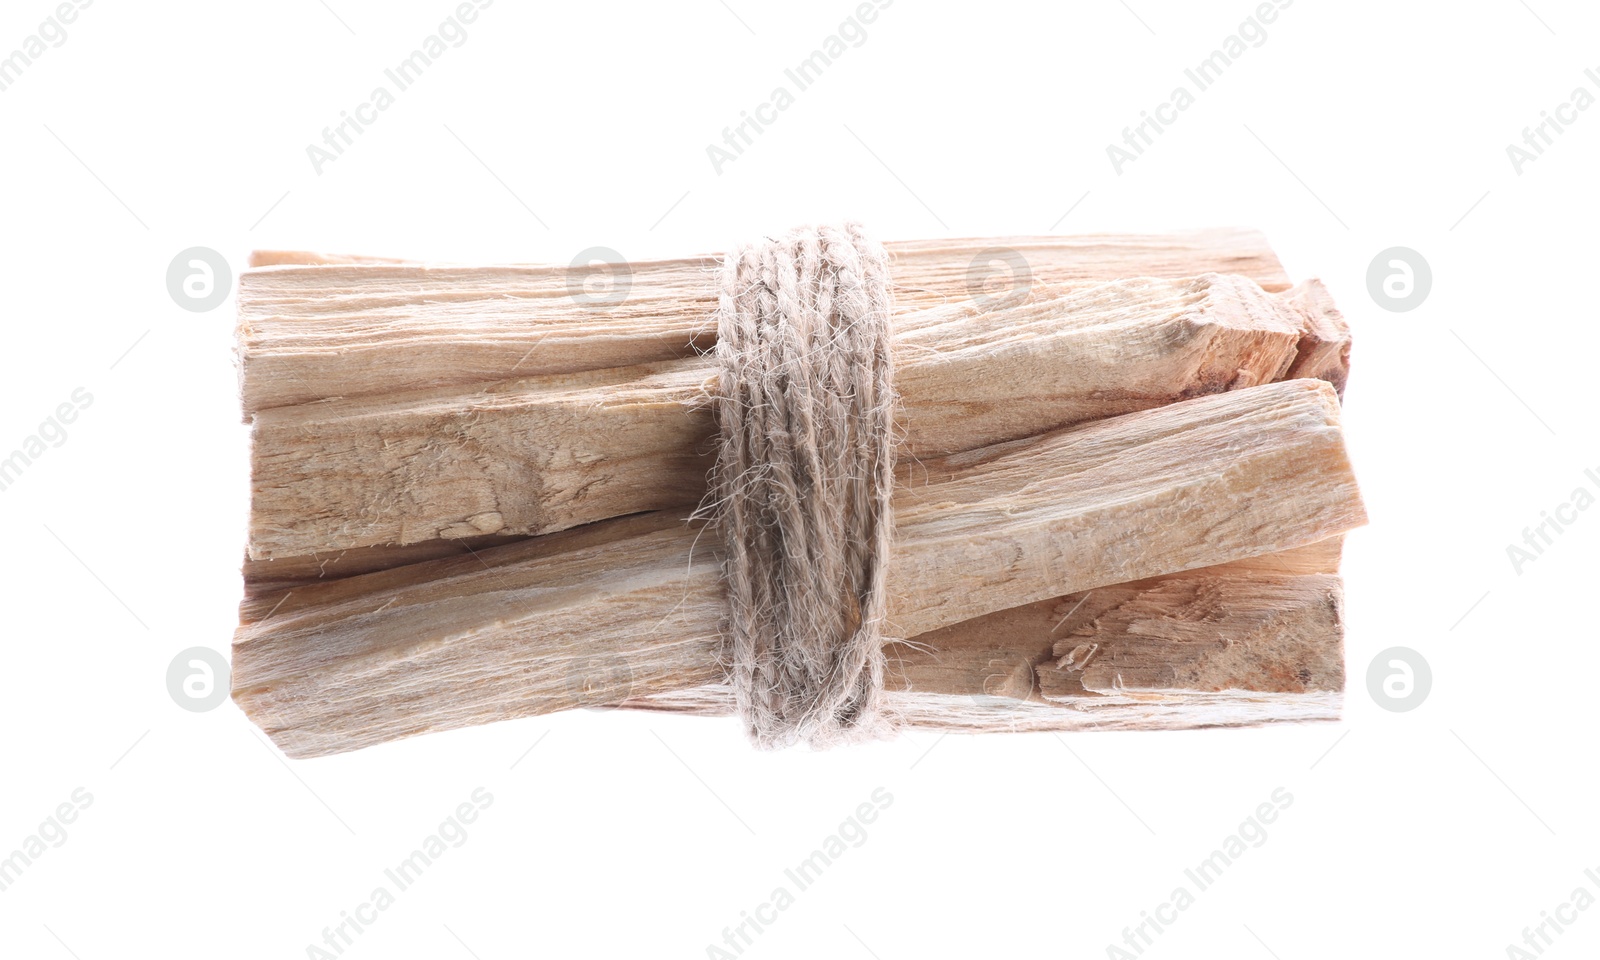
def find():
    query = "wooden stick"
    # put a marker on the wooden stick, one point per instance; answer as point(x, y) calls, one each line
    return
point(524, 628)
point(1203, 634)
point(1323, 353)
point(542, 454)
point(312, 328)
point(279, 574)
point(964, 713)
point(1247, 642)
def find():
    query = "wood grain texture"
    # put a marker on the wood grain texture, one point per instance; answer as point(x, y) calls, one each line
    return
point(962, 713)
point(276, 575)
point(1202, 634)
point(314, 327)
point(632, 606)
point(1265, 644)
point(541, 454)
point(1063, 648)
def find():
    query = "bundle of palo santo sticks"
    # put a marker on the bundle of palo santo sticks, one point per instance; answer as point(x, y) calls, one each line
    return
point(1121, 490)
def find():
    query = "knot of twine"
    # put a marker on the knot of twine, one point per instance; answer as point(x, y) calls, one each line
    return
point(803, 480)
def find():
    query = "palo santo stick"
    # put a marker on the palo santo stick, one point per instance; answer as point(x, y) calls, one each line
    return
point(1269, 624)
point(285, 573)
point(1204, 634)
point(1248, 642)
point(1186, 711)
point(276, 576)
point(542, 454)
point(1037, 652)
point(517, 630)
point(964, 713)
point(312, 328)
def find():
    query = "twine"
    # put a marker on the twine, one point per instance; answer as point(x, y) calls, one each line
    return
point(802, 482)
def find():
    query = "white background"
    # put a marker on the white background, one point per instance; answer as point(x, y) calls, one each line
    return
point(1354, 127)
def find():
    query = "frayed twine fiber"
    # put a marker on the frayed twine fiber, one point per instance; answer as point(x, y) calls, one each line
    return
point(802, 482)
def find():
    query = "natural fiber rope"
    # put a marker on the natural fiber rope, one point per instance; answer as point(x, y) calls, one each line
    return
point(803, 479)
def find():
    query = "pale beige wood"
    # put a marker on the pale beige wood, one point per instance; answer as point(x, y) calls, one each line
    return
point(541, 454)
point(631, 607)
point(1188, 711)
point(963, 713)
point(311, 258)
point(284, 573)
point(1202, 634)
point(1252, 641)
point(1150, 629)
point(312, 328)
point(1324, 352)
